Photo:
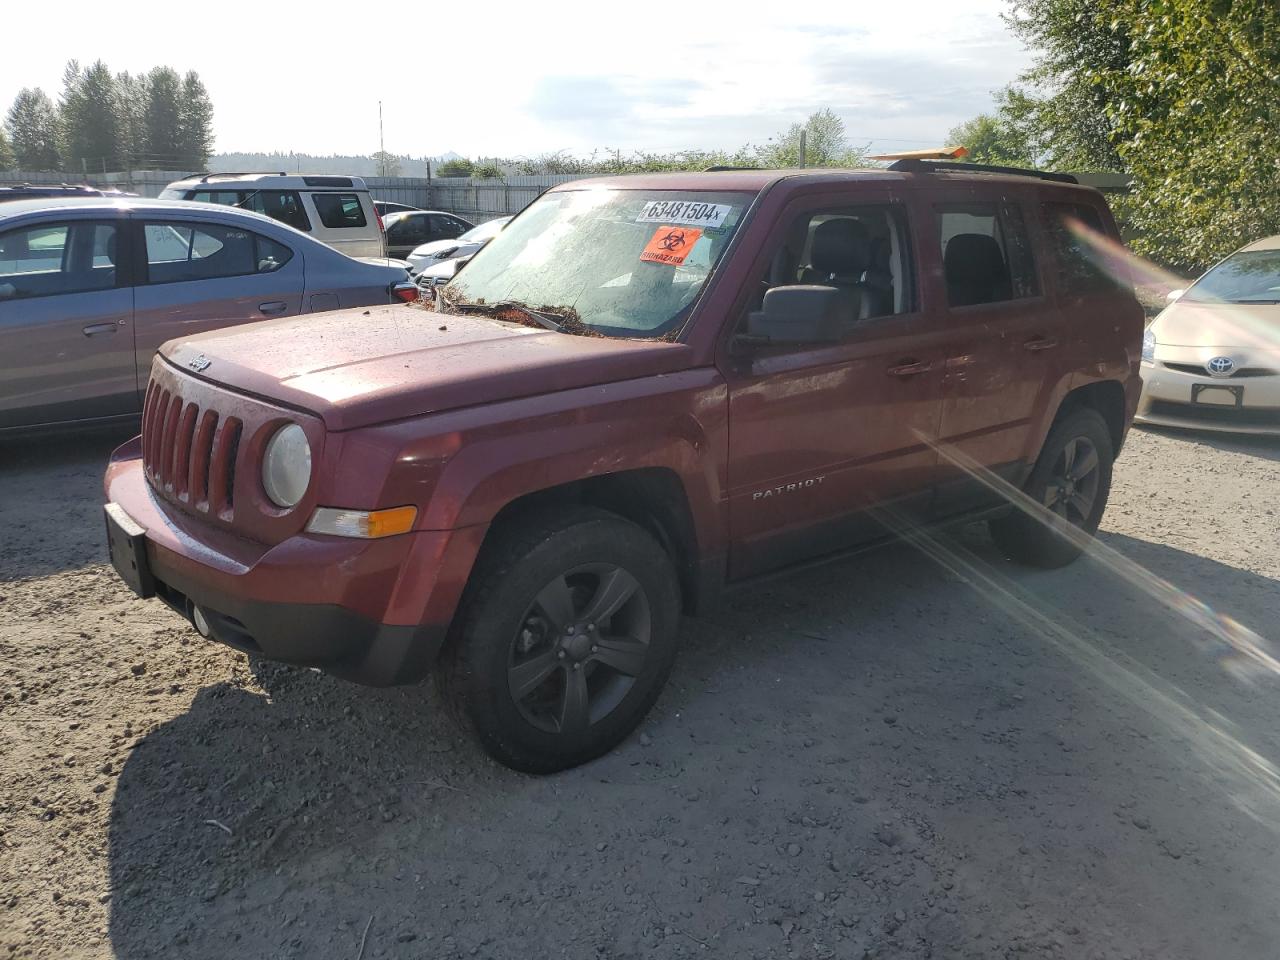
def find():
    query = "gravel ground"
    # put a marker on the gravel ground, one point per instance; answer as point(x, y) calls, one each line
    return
point(918, 753)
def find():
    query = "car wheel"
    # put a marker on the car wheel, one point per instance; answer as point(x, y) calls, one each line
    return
point(566, 640)
point(1070, 484)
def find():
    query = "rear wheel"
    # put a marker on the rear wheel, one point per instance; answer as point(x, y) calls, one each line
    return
point(1070, 484)
point(567, 640)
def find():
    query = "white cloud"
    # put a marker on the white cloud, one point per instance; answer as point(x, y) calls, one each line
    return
point(508, 79)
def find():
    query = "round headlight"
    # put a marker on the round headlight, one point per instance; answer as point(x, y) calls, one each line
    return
point(286, 467)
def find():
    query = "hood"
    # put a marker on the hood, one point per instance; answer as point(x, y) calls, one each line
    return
point(432, 248)
point(1255, 326)
point(363, 366)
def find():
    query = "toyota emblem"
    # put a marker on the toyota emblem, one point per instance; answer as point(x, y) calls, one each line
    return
point(1220, 366)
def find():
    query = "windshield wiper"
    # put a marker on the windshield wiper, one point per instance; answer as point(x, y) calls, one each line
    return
point(539, 317)
point(1255, 301)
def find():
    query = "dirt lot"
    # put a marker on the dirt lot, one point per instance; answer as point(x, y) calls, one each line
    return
point(918, 753)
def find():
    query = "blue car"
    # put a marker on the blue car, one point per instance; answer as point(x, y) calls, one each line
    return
point(90, 287)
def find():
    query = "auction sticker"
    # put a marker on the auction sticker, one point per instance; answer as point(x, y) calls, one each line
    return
point(692, 212)
point(671, 244)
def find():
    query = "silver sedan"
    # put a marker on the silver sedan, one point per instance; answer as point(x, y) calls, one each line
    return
point(89, 288)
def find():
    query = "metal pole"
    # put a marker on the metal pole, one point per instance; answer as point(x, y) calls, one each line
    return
point(382, 149)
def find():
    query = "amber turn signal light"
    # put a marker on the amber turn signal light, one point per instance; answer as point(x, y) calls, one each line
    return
point(362, 524)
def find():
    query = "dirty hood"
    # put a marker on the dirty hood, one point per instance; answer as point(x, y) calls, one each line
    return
point(369, 365)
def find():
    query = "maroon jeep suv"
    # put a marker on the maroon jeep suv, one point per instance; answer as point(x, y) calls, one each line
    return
point(642, 391)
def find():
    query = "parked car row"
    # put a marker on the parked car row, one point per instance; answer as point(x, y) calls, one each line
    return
point(90, 287)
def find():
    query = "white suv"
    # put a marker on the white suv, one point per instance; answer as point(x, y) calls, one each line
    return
point(335, 210)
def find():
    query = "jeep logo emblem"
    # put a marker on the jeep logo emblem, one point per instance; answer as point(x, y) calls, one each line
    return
point(199, 363)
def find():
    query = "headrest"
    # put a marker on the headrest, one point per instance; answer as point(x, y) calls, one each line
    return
point(840, 247)
point(973, 258)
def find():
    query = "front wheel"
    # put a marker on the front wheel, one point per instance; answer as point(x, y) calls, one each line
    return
point(566, 641)
point(1068, 488)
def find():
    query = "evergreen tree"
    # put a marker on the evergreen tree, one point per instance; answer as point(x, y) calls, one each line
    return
point(7, 160)
point(195, 124)
point(32, 124)
point(133, 99)
point(163, 118)
point(90, 118)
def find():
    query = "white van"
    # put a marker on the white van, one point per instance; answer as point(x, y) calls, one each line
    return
point(335, 210)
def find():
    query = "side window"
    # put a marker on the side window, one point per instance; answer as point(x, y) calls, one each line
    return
point(1069, 226)
point(282, 205)
point(339, 210)
point(863, 251)
point(178, 252)
point(53, 259)
point(445, 228)
point(986, 257)
point(227, 198)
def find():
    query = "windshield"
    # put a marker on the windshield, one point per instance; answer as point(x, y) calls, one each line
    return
point(627, 263)
point(1252, 276)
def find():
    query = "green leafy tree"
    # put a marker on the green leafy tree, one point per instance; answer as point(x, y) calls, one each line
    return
point(1199, 108)
point(825, 144)
point(195, 124)
point(1060, 104)
point(32, 124)
point(7, 160)
point(388, 165)
point(163, 119)
point(458, 167)
point(990, 139)
point(1180, 94)
point(487, 170)
point(91, 118)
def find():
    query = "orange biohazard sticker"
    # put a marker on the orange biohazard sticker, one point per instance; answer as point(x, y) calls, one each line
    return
point(670, 245)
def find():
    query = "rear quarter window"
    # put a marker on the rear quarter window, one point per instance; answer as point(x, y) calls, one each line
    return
point(339, 210)
point(1078, 261)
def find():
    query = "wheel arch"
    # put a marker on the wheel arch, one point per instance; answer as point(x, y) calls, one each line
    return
point(1107, 398)
point(653, 498)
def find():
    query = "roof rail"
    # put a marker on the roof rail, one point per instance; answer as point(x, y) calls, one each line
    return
point(244, 173)
point(929, 166)
point(724, 168)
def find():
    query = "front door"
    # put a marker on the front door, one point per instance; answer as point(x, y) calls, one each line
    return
point(199, 276)
point(830, 444)
point(66, 324)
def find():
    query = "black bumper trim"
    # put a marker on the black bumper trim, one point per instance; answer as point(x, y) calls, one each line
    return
point(326, 636)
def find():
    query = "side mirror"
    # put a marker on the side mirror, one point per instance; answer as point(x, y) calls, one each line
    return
point(1173, 295)
point(800, 314)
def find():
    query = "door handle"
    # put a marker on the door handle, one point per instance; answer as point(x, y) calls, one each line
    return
point(909, 368)
point(1040, 343)
point(93, 329)
point(273, 307)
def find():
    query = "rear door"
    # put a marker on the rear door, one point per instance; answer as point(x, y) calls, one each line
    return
point(407, 231)
point(346, 221)
point(1004, 331)
point(830, 444)
point(200, 275)
point(66, 323)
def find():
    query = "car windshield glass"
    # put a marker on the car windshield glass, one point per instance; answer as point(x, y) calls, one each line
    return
point(1252, 276)
point(626, 263)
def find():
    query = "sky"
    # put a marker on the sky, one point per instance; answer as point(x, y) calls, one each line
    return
point(514, 80)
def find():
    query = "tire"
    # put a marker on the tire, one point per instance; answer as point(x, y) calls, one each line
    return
point(1071, 479)
point(566, 640)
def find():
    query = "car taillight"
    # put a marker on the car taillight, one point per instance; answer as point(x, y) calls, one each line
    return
point(404, 291)
point(381, 229)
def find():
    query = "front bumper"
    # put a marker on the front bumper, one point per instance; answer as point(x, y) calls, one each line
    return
point(372, 611)
point(1167, 401)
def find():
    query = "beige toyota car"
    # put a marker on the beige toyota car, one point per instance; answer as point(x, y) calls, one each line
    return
point(1211, 360)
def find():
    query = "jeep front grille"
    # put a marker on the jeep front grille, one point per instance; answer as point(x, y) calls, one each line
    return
point(190, 454)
